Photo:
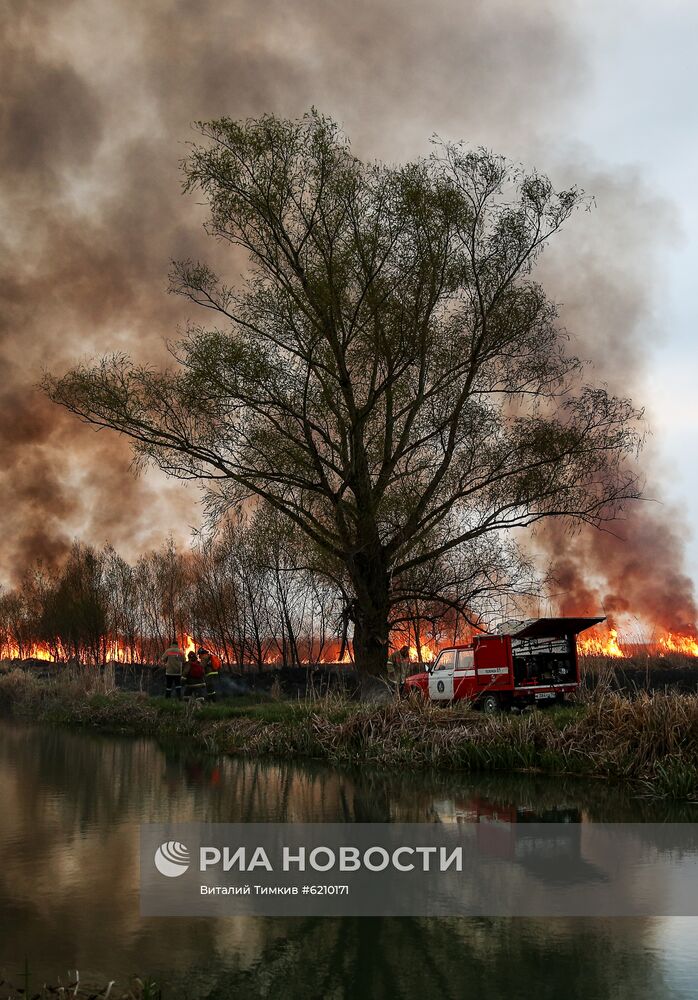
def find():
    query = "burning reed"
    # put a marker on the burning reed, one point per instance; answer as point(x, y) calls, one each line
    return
point(233, 595)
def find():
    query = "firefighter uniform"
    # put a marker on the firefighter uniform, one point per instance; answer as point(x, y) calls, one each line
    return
point(398, 667)
point(212, 665)
point(173, 661)
point(196, 683)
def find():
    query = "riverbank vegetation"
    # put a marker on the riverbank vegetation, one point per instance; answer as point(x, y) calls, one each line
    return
point(138, 989)
point(649, 740)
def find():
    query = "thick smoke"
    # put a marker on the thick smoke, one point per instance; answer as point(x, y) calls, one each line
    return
point(97, 100)
point(633, 573)
point(635, 568)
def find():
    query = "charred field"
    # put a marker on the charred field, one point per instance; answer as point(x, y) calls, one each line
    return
point(640, 672)
point(637, 724)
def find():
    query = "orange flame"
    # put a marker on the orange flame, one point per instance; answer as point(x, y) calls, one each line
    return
point(33, 652)
point(603, 642)
point(425, 654)
point(607, 643)
point(672, 643)
point(188, 644)
point(600, 645)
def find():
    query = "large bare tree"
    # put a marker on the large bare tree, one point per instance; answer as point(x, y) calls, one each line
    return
point(388, 376)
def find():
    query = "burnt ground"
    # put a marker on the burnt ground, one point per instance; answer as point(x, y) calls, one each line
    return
point(641, 673)
point(679, 673)
point(291, 682)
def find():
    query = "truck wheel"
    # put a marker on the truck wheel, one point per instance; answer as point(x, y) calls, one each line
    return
point(490, 704)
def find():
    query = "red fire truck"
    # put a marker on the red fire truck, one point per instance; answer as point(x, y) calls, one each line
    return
point(525, 663)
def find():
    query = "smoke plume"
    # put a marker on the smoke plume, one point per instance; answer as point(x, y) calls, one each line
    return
point(97, 101)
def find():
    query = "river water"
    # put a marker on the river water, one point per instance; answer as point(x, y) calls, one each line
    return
point(70, 808)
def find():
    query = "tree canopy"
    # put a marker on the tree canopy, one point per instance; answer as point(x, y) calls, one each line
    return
point(388, 377)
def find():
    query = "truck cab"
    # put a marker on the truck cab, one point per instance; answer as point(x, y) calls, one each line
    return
point(524, 663)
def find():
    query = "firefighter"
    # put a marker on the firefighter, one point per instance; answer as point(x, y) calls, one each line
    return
point(212, 665)
point(173, 661)
point(194, 674)
point(399, 667)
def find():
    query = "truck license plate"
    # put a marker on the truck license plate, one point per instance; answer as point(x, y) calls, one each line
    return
point(544, 694)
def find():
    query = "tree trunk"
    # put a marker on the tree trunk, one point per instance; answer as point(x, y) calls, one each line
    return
point(370, 651)
point(370, 613)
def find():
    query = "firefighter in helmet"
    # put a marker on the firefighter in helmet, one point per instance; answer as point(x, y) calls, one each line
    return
point(212, 665)
point(173, 662)
point(194, 674)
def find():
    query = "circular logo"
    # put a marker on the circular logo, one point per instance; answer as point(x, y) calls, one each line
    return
point(172, 859)
point(440, 687)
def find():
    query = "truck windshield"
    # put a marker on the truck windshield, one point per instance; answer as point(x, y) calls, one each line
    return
point(446, 660)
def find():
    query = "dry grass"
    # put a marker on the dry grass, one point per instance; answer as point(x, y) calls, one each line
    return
point(640, 673)
point(138, 989)
point(649, 739)
point(74, 679)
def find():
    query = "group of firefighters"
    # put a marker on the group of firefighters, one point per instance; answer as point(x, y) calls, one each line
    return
point(194, 676)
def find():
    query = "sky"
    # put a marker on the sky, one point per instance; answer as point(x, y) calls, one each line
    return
point(96, 101)
point(639, 112)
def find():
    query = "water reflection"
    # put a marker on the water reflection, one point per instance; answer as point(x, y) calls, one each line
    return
point(71, 805)
point(373, 958)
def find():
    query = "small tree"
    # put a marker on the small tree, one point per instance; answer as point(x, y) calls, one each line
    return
point(391, 380)
point(75, 606)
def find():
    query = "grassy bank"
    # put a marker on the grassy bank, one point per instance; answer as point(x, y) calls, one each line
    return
point(650, 740)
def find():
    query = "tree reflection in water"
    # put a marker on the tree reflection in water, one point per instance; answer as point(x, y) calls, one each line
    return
point(415, 958)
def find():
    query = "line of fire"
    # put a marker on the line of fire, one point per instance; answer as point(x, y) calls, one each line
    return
point(97, 608)
point(601, 640)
